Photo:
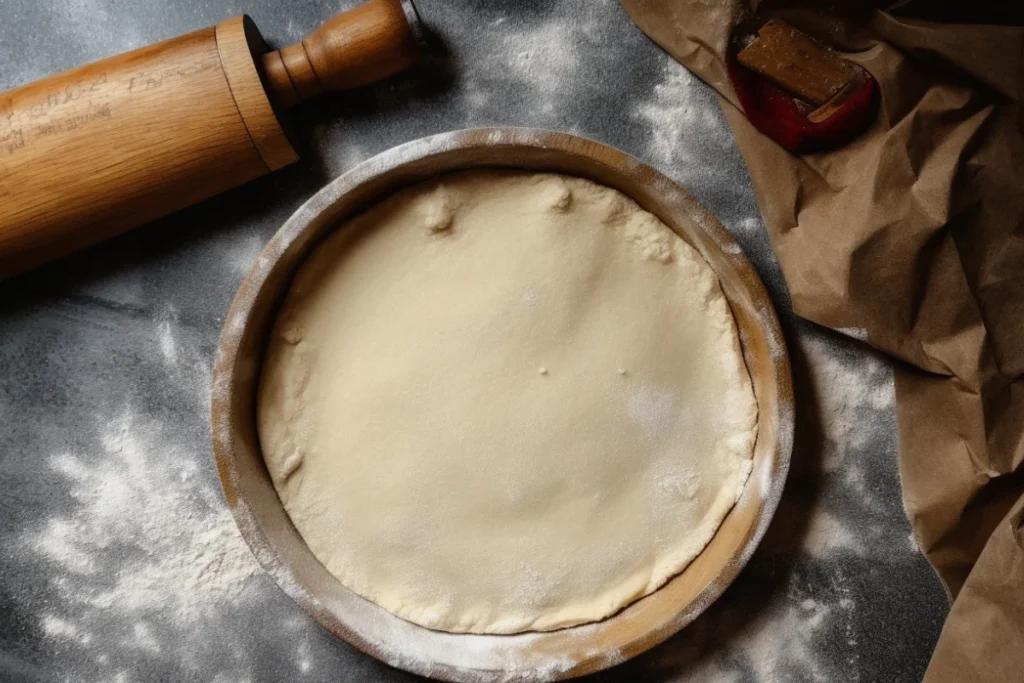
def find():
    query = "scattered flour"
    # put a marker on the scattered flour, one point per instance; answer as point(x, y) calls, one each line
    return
point(544, 59)
point(786, 644)
point(56, 627)
point(87, 30)
point(808, 629)
point(654, 409)
point(673, 114)
point(144, 495)
point(245, 252)
point(849, 385)
point(774, 641)
point(168, 347)
point(546, 56)
point(749, 226)
point(145, 557)
point(143, 489)
point(348, 151)
point(825, 534)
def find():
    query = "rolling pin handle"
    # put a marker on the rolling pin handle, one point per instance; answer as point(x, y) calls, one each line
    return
point(367, 43)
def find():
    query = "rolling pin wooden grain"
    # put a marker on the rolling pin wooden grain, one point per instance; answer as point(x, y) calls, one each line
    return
point(100, 149)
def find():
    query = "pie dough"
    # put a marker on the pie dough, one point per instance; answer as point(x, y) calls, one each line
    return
point(505, 401)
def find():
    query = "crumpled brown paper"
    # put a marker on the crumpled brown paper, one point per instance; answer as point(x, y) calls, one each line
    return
point(914, 232)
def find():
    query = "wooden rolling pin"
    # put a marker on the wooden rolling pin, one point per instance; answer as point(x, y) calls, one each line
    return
point(100, 149)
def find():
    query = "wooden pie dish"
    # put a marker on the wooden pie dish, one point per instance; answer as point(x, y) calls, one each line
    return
point(553, 655)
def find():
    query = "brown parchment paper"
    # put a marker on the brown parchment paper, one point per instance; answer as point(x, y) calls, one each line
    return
point(914, 233)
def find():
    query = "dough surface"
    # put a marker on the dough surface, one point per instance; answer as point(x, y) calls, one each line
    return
point(502, 401)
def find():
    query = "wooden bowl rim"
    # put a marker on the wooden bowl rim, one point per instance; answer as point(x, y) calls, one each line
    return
point(325, 609)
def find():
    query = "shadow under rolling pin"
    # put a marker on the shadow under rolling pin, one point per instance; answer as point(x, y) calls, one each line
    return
point(103, 148)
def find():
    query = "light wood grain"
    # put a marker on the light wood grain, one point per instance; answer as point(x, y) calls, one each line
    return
point(108, 146)
point(238, 41)
point(98, 150)
point(794, 61)
point(583, 649)
point(365, 44)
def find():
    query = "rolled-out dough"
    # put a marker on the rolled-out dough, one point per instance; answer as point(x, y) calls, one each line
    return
point(503, 401)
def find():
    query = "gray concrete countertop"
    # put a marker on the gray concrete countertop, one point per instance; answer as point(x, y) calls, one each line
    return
point(118, 559)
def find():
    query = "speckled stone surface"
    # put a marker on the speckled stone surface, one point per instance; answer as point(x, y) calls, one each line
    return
point(118, 559)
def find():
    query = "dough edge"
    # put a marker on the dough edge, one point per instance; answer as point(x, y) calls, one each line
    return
point(614, 599)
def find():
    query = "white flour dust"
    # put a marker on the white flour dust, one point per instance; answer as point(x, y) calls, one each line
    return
point(846, 391)
point(807, 629)
point(56, 627)
point(145, 495)
point(542, 61)
point(168, 345)
point(673, 115)
point(825, 535)
point(855, 397)
point(770, 642)
point(782, 642)
point(347, 152)
point(90, 22)
point(653, 409)
point(146, 557)
point(245, 252)
point(752, 225)
point(545, 57)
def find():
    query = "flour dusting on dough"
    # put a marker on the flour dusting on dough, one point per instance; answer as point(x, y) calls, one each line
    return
point(445, 433)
